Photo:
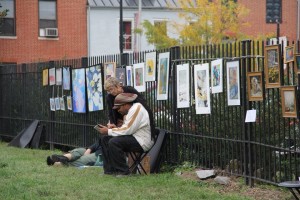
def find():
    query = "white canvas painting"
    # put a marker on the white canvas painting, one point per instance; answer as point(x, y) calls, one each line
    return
point(217, 76)
point(183, 86)
point(233, 83)
point(139, 77)
point(163, 76)
point(202, 92)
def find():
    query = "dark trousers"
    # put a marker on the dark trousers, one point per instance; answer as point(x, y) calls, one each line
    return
point(113, 151)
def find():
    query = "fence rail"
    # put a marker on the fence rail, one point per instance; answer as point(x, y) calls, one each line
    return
point(266, 150)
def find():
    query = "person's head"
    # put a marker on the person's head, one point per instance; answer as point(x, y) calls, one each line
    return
point(112, 86)
point(123, 102)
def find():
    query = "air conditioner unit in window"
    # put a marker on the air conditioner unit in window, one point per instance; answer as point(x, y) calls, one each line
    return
point(51, 32)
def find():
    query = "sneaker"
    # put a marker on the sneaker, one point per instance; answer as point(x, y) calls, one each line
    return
point(58, 158)
point(49, 161)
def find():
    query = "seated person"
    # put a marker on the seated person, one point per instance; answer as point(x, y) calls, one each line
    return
point(133, 135)
point(78, 157)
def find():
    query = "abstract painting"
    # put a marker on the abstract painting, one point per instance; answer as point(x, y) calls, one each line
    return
point(78, 90)
point(66, 78)
point(94, 88)
point(217, 76)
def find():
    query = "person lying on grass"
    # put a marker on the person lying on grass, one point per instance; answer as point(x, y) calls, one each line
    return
point(78, 157)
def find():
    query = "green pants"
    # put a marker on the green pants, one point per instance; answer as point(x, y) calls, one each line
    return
point(79, 159)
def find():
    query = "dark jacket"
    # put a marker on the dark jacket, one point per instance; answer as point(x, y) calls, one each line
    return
point(96, 147)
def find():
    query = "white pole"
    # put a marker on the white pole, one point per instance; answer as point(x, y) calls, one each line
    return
point(139, 26)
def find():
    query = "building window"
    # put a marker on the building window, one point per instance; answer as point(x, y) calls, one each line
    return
point(7, 18)
point(127, 35)
point(47, 17)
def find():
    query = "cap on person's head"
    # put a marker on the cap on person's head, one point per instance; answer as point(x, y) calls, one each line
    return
point(124, 98)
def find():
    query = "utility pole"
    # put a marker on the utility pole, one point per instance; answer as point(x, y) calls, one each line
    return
point(121, 31)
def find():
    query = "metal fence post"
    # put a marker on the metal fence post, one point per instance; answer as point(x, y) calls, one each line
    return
point(84, 64)
point(174, 55)
point(52, 117)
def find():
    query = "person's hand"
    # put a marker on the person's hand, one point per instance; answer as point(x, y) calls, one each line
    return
point(109, 125)
point(119, 123)
point(87, 152)
point(103, 130)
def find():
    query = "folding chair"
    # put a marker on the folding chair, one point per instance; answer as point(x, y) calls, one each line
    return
point(154, 153)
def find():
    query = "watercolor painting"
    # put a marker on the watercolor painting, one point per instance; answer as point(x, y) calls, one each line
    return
point(52, 76)
point(129, 78)
point(150, 66)
point(217, 76)
point(69, 102)
point(58, 76)
point(163, 76)
point(52, 104)
point(78, 90)
point(109, 70)
point(66, 78)
point(62, 103)
point(94, 88)
point(183, 86)
point(288, 101)
point(202, 92)
point(120, 75)
point(45, 77)
point(233, 83)
point(272, 66)
point(139, 77)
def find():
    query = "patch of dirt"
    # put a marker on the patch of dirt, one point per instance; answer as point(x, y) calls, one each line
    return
point(237, 185)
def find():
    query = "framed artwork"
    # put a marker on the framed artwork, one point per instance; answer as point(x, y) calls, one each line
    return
point(58, 76)
point(45, 77)
point(150, 66)
point(139, 77)
point(62, 103)
point(52, 104)
point(272, 66)
point(129, 80)
point(202, 92)
point(66, 78)
point(183, 86)
point(254, 86)
point(69, 102)
point(120, 75)
point(288, 101)
point(289, 54)
point(217, 76)
point(52, 76)
point(109, 70)
point(163, 76)
point(94, 88)
point(233, 83)
point(57, 103)
point(78, 90)
point(297, 63)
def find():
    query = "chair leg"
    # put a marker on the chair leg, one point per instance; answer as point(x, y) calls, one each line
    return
point(292, 191)
point(137, 166)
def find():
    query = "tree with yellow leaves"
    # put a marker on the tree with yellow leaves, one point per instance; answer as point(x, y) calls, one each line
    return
point(205, 22)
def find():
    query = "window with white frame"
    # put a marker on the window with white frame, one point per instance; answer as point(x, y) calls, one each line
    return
point(48, 18)
point(7, 18)
point(127, 35)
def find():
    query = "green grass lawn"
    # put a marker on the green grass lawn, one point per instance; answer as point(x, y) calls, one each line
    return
point(24, 174)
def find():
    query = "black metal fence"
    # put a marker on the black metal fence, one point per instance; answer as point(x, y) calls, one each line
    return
point(266, 150)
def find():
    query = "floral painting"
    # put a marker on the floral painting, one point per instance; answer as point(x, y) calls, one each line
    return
point(202, 93)
point(66, 78)
point(94, 88)
point(78, 90)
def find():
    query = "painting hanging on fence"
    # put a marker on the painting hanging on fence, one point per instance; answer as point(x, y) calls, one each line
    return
point(233, 83)
point(62, 103)
point(109, 70)
point(57, 103)
point(254, 85)
point(272, 66)
point(66, 78)
point(69, 102)
point(217, 76)
point(45, 77)
point(120, 75)
point(289, 54)
point(288, 101)
point(150, 66)
point(139, 77)
point(52, 76)
point(297, 63)
point(58, 76)
point(78, 90)
point(52, 104)
point(163, 76)
point(202, 92)
point(94, 88)
point(183, 86)
point(129, 75)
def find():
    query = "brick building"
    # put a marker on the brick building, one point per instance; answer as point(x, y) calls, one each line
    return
point(38, 30)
